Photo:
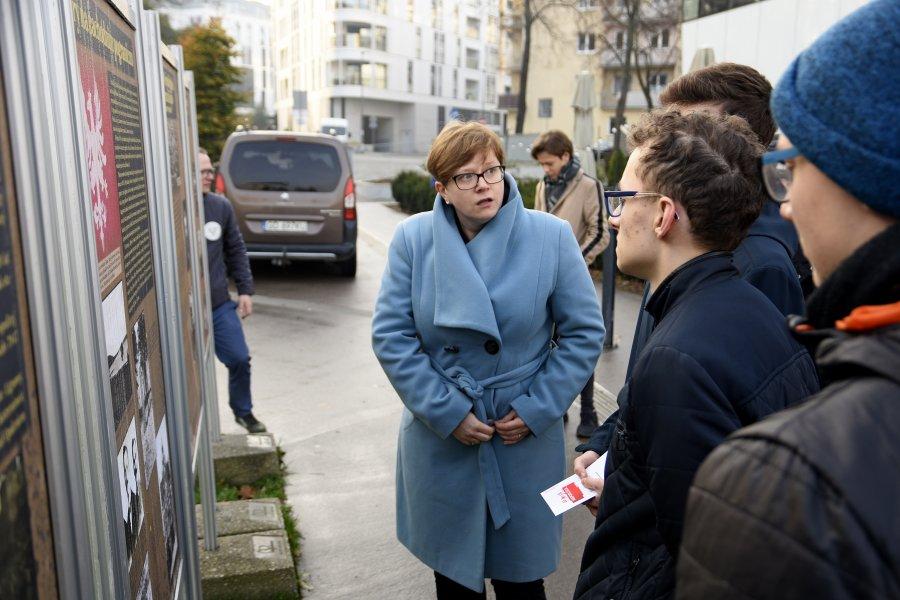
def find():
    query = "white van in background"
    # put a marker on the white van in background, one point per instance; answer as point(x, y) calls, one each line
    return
point(339, 128)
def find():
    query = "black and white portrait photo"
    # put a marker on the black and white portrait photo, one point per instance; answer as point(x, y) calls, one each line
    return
point(166, 495)
point(115, 328)
point(145, 396)
point(130, 488)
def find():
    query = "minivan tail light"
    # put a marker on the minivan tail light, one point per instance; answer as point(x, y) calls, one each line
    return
point(220, 184)
point(349, 201)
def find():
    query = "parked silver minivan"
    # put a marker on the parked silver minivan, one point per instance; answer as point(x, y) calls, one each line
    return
point(293, 195)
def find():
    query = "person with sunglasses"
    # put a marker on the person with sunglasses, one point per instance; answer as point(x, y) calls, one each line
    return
point(807, 503)
point(487, 325)
point(227, 257)
point(719, 357)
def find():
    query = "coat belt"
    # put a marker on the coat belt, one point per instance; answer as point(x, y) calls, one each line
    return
point(487, 458)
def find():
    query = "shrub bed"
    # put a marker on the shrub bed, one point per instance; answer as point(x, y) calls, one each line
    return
point(415, 194)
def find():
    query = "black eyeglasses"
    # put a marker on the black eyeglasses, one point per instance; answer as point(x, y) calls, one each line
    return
point(615, 200)
point(776, 174)
point(467, 181)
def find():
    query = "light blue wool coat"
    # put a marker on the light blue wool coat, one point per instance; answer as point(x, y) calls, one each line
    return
point(475, 512)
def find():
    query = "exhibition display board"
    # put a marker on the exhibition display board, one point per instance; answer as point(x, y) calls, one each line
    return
point(188, 261)
point(27, 568)
point(105, 333)
point(120, 206)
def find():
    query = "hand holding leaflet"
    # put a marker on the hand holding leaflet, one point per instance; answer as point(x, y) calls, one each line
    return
point(570, 492)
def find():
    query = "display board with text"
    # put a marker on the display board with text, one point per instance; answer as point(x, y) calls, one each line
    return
point(114, 148)
point(181, 208)
point(27, 567)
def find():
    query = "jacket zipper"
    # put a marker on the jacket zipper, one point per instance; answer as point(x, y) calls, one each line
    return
point(627, 591)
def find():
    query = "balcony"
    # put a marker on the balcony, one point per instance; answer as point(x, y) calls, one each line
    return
point(656, 57)
point(379, 6)
point(634, 101)
point(508, 101)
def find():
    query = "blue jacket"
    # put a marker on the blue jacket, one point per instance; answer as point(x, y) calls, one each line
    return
point(720, 358)
point(225, 250)
point(462, 328)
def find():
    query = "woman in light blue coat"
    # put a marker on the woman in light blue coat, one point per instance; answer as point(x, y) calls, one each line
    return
point(488, 326)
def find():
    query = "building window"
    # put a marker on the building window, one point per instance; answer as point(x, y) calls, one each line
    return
point(438, 47)
point(658, 81)
point(472, 91)
point(492, 30)
point(418, 42)
point(409, 76)
point(472, 58)
point(620, 40)
point(587, 42)
point(410, 10)
point(588, 4)
point(360, 35)
point(490, 89)
point(618, 84)
point(473, 28)
point(458, 52)
point(437, 14)
point(545, 108)
point(376, 5)
point(660, 40)
point(493, 60)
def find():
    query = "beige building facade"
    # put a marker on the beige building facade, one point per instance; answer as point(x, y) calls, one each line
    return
point(585, 35)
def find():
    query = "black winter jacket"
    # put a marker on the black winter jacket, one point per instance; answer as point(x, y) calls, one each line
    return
point(764, 260)
point(719, 358)
point(225, 250)
point(806, 505)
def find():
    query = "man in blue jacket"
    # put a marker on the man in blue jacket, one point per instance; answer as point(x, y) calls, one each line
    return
point(719, 357)
point(766, 256)
point(227, 257)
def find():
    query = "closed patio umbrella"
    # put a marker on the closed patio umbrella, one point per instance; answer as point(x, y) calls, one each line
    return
point(583, 137)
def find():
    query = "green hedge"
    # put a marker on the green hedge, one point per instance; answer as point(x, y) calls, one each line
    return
point(415, 194)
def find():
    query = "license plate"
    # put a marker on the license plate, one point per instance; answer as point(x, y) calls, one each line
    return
point(286, 226)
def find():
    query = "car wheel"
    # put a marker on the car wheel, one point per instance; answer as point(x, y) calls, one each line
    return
point(347, 268)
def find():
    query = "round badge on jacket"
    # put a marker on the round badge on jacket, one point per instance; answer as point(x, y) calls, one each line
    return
point(212, 231)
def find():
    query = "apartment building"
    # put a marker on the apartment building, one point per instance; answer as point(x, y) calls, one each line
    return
point(397, 70)
point(765, 34)
point(585, 35)
point(249, 23)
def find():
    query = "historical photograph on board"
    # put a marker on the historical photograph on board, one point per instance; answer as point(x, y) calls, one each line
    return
point(166, 495)
point(145, 398)
point(117, 351)
point(130, 488)
point(145, 591)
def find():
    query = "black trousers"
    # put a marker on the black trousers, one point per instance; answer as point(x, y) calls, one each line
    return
point(447, 589)
point(587, 397)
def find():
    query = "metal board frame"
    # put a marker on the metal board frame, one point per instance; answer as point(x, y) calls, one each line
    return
point(150, 79)
point(46, 119)
point(210, 395)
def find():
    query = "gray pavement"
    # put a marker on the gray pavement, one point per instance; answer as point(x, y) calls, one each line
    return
point(320, 390)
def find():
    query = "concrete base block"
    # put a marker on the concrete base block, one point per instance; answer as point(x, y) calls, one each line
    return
point(242, 459)
point(250, 566)
point(244, 516)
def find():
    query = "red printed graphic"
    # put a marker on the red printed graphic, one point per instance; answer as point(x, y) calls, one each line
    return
point(100, 157)
point(573, 492)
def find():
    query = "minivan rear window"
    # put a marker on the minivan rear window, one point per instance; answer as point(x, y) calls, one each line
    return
point(284, 166)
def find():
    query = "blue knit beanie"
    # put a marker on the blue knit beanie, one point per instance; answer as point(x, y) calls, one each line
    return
point(839, 104)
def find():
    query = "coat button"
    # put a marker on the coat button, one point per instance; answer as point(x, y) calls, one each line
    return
point(491, 347)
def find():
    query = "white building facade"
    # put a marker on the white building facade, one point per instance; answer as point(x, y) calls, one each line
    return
point(250, 24)
point(397, 70)
point(765, 34)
